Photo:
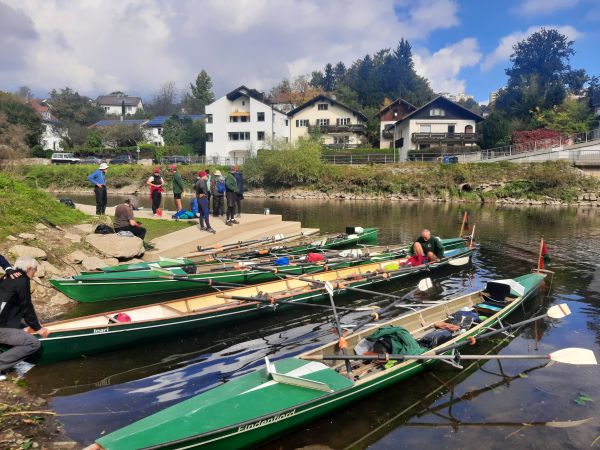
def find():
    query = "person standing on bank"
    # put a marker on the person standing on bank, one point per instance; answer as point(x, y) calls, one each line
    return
point(98, 179)
point(156, 183)
point(202, 192)
point(16, 307)
point(240, 193)
point(209, 185)
point(125, 221)
point(231, 191)
point(217, 191)
point(178, 187)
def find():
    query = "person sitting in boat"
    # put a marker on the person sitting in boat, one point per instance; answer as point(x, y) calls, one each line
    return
point(16, 307)
point(124, 220)
point(427, 246)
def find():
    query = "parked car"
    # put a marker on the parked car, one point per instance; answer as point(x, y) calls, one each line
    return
point(122, 159)
point(176, 159)
point(64, 158)
point(91, 160)
point(448, 159)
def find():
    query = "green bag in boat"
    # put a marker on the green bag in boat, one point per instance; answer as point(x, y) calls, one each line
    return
point(395, 340)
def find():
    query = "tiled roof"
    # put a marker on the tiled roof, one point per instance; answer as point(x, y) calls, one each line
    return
point(117, 100)
point(324, 98)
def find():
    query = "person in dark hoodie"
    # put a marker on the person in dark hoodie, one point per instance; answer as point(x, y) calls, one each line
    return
point(202, 191)
point(16, 307)
point(231, 191)
point(239, 178)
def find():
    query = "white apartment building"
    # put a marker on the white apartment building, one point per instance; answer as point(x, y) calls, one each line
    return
point(441, 123)
point(241, 122)
point(340, 126)
point(114, 104)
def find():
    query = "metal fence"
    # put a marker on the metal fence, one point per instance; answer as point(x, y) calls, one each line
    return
point(207, 160)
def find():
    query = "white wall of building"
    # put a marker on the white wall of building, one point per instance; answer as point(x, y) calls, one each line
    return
point(153, 135)
point(311, 115)
point(117, 110)
point(52, 137)
point(252, 133)
point(408, 127)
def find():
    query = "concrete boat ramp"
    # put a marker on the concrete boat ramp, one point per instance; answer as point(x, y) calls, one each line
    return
point(187, 240)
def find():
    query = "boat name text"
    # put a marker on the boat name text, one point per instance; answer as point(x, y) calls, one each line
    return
point(266, 421)
point(100, 330)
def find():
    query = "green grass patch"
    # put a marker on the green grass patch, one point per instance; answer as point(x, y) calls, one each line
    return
point(22, 206)
point(156, 228)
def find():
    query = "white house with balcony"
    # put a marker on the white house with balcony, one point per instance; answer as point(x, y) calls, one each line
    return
point(241, 122)
point(119, 104)
point(339, 125)
point(439, 124)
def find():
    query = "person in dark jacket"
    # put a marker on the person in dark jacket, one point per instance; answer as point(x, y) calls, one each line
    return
point(428, 246)
point(239, 178)
point(217, 190)
point(98, 179)
point(178, 187)
point(16, 307)
point(231, 190)
point(202, 191)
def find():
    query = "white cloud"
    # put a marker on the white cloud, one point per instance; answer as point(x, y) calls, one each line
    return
point(544, 7)
point(505, 47)
point(135, 45)
point(443, 67)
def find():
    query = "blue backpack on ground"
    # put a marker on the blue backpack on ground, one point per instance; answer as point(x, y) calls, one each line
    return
point(282, 261)
point(221, 186)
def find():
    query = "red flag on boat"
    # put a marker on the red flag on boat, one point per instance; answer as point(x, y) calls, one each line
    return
point(544, 256)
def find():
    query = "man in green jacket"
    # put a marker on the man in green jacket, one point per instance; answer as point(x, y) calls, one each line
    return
point(178, 186)
point(428, 246)
point(231, 191)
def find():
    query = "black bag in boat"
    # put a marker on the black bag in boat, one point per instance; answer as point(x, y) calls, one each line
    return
point(435, 338)
point(103, 229)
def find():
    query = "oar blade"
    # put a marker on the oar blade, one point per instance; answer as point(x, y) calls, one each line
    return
point(580, 356)
point(559, 311)
point(463, 261)
point(425, 284)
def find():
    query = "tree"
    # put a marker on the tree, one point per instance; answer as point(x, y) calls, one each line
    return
point(328, 78)
point(184, 131)
point(165, 100)
point(316, 79)
point(20, 119)
point(339, 74)
point(72, 108)
point(25, 93)
point(576, 81)
point(494, 131)
point(536, 79)
point(571, 117)
point(121, 135)
point(94, 139)
point(199, 95)
point(471, 105)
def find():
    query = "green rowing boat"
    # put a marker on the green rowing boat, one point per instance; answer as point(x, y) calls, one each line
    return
point(294, 391)
point(80, 336)
point(167, 277)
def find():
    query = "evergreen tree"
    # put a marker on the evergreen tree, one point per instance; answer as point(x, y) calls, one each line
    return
point(199, 95)
point(328, 78)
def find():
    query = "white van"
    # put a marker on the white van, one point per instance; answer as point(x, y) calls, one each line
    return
point(64, 158)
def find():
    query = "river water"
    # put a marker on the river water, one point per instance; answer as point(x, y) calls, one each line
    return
point(521, 404)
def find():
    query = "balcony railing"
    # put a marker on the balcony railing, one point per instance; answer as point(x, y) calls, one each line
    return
point(352, 128)
point(444, 137)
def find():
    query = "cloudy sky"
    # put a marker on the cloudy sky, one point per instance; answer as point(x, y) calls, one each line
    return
point(98, 46)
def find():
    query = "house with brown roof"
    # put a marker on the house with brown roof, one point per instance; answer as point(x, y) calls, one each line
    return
point(54, 131)
point(388, 116)
point(339, 125)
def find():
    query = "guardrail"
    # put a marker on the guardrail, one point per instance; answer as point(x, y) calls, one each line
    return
point(208, 160)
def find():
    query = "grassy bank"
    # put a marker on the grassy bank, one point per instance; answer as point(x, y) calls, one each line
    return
point(22, 206)
point(302, 168)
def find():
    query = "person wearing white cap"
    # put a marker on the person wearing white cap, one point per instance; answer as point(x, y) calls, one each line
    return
point(98, 179)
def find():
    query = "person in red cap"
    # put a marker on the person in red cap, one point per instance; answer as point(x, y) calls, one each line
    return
point(178, 187)
point(156, 184)
point(202, 191)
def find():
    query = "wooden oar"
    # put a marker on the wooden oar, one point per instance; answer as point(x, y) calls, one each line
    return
point(269, 302)
point(459, 262)
point(573, 355)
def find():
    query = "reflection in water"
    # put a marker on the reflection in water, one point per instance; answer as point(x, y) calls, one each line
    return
point(517, 404)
